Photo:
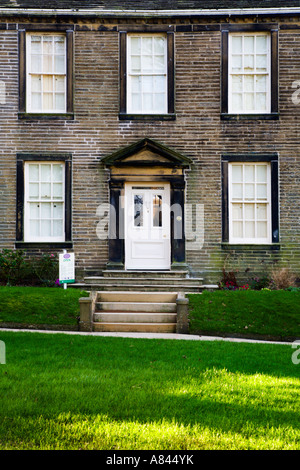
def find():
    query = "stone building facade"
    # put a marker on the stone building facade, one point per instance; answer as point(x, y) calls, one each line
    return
point(148, 137)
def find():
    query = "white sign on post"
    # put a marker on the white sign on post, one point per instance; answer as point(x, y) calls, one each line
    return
point(66, 268)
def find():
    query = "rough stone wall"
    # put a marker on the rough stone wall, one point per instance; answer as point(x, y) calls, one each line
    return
point(198, 133)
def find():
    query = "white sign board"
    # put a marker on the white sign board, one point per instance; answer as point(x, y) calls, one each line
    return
point(66, 268)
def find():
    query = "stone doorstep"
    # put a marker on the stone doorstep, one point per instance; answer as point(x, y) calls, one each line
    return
point(139, 273)
point(137, 287)
point(143, 280)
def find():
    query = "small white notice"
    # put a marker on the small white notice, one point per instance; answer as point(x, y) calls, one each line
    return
point(66, 268)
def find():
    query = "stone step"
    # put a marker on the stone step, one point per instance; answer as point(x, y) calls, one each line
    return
point(140, 273)
point(154, 307)
point(143, 280)
point(135, 327)
point(135, 317)
point(117, 296)
point(187, 288)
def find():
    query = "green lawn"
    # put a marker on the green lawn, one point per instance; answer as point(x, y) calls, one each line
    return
point(39, 305)
point(86, 392)
point(273, 313)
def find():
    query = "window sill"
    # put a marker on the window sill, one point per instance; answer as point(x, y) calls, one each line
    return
point(46, 116)
point(251, 246)
point(247, 117)
point(147, 117)
point(51, 245)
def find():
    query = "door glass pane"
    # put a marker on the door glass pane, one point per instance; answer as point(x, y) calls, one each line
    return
point(157, 211)
point(138, 210)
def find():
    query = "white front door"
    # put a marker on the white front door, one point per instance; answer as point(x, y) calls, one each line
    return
point(147, 226)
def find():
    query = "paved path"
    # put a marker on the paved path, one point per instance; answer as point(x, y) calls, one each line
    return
point(151, 336)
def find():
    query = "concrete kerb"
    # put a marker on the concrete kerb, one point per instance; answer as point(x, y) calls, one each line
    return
point(173, 336)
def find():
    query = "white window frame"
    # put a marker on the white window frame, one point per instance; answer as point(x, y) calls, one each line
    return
point(27, 202)
point(130, 74)
point(29, 73)
point(255, 201)
point(231, 109)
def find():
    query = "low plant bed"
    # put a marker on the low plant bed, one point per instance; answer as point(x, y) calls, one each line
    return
point(43, 306)
point(246, 313)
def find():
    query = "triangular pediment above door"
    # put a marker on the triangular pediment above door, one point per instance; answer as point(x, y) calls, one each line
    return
point(146, 153)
